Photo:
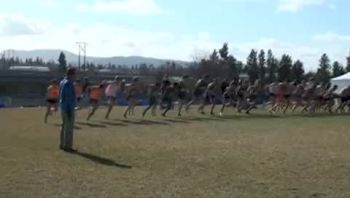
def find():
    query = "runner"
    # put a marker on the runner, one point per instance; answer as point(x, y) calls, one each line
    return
point(252, 92)
point(182, 94)
point(96, 93)
point(165, 83)
point(111, 93)
point(344, 99)
point(210, 97)
point(329, 98)
point(273, 89)
point(228, 97)
point(297, 96)
point(132, 97)
point(224, 85)
point(52, 98)
point(309, 96)
point(198, 91)
point(290, 88)
point(153, 96)
point(168, 97)
point(241, 94)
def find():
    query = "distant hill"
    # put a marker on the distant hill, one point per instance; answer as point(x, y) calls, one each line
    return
point(52, 55)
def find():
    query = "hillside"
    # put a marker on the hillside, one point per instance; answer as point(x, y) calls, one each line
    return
point(52, 55)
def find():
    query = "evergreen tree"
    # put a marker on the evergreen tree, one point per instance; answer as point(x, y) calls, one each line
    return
point(262, 67)
point(337, 69)
point(252, 66)
point(272, 67)
point(348, 63)
point(62, 67)
point(224, 52)
point(323, 73)
point(214, 57)
point(297, 71)
point(233, 67)
point(310, 75)
point(285, 67)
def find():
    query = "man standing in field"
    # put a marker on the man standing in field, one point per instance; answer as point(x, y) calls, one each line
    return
point(67, 105)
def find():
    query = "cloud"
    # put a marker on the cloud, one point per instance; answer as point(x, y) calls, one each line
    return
point(51, 3)
point(296, 5)
point(308, 54)
point(290, 5)
point(110, 40)
point(130, 7)
point(331, 37)
point(15, 25)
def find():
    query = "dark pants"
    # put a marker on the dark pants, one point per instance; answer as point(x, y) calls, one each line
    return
point(67, 130)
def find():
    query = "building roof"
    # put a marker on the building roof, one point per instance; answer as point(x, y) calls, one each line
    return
point(30, 68)
point(342, 77)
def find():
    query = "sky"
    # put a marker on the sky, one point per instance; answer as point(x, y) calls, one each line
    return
point(180, 29)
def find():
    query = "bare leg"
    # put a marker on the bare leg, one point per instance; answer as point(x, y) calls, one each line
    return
point(48, 112)
point(201, 107)
point(168, 107)
point(287, 106)
point(154, 109)
point(341, 107)
point(240, 104)
point(127, 111)
point(276, 105)
point(330, 105)
point(93, 110)
point(146, 110)
point(212, 108)
point(251, 107)
point(313, 106)
point(110, 107)
point(298, 103)
point(306, 107)
point(189, 104)
point(180, 107)
point(222, 109)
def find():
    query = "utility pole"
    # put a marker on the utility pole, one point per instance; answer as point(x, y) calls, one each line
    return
point(79, 58)
point(82, 49)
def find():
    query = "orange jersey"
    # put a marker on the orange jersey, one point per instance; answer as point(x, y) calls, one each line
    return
point(53, 92)
point(78, 89)
point(96, 93)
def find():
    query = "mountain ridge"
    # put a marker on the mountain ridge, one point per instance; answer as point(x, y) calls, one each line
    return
point(72, 58)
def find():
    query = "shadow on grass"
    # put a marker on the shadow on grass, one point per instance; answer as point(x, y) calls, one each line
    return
point(77, 128)
point(101, 160)
point(251, 116)
point(152, 122)
point(60, 125)
point(281, 116)
point(143, 122)
point(113, 123)
point(200, 119)
point(317, 115)
point(181, 121)
point(92, 125)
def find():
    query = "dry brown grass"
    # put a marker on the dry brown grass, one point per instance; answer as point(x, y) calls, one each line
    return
point(235, 156)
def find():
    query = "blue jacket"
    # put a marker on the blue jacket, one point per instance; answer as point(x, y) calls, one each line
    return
point(67, 95)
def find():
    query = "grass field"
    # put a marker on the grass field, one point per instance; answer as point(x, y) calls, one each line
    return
point(195, 156)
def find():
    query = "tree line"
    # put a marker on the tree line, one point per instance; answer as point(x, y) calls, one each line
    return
point(60, 66)
point(261, 65)
point(267, 67)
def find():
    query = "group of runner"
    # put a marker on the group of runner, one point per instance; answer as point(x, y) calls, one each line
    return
point(240, 94)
